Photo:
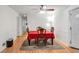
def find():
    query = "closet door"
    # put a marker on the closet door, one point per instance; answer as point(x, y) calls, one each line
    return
point(74, 20)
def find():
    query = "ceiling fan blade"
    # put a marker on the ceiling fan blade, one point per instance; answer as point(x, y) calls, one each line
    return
point(42, 8)
point(49, 9)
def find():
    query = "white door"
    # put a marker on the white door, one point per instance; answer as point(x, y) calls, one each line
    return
point(74, 19)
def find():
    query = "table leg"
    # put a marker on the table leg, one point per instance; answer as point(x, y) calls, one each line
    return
point(37, 42)
point(52, 40)
point(29, 42)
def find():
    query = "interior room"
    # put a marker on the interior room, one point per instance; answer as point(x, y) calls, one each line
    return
point(39, 28)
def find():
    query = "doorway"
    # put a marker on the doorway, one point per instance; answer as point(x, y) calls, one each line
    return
point(74, 21)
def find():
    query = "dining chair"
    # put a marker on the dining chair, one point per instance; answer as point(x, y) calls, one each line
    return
point(52, 29)
point(41, 35)
point(27, 29)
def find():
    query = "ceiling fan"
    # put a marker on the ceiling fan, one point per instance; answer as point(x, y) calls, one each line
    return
point(44, 7)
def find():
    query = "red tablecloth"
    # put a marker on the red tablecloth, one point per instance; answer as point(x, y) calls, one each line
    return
point(34, 35)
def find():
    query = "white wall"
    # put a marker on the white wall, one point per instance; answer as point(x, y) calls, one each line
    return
point(35, 20)
point(63, 25)
point(8, 24)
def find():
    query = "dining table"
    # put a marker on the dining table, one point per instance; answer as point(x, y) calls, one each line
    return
point(34, 35)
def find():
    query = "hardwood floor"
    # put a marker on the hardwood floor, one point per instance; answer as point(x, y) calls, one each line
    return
point(19, 41)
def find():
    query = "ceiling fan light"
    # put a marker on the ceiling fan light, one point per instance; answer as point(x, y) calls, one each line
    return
point(44, 7)
point(42, 12)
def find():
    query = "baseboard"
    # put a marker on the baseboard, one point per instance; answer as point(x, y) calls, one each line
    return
point(74, 48)
point(2, 49)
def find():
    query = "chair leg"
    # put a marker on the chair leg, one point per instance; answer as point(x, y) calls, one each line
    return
point(29, 42)
point(52, 41)
point(45, 42)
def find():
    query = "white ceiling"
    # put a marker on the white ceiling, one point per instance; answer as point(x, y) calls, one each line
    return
point(29, 9)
